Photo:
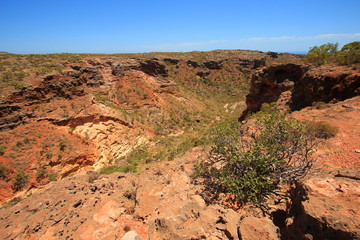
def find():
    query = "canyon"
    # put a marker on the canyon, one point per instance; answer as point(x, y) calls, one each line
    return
point(149, 116)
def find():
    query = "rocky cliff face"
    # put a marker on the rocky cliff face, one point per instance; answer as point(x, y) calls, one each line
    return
point(299, 86)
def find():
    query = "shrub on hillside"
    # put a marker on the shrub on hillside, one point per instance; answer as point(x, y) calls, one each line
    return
point(251, 168)
point(2, 149)
point(40, 173)
point(322, 129)
point(113, 169)
point(20, 180)
point(4, 172)
point(52, 177)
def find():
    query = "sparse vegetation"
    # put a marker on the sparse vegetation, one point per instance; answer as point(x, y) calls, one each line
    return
point(62, 145)
point(41, 173)
point(250, 168)
point(2, 149)
point(4, 172)
point(322, 129)
point(52, 177)
point(20, 180)
point(113, 169)
point(13, 202)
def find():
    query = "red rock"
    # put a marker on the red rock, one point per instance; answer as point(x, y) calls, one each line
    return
point(258, 228)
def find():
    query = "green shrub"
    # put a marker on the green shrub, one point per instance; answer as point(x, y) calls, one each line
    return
point(4, 172)
point(322, 129)
point(52, 177)
point(62, 145)
point(13, 202)
point(20, 180)
point(19, 144)
point(26, 141)
point(41, 173)
point(2, 149)
point(140, 154)
point(113, 169)
point(250, 168)
point(48, 154)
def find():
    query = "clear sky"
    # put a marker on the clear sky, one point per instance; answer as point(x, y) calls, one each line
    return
point(117, 26)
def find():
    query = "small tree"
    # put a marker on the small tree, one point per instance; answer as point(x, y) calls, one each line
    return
point(322, 54)
point(251, 169)
point(350, 53)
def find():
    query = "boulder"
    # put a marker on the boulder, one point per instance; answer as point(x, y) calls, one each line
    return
point(258, 228)
point(153, 68)
point(132, 235)
point(203, 74)
point(325, 207)
point(252, 63)
point(213, 65)
point(192, 64)
point(117, 69)
point(171, 61)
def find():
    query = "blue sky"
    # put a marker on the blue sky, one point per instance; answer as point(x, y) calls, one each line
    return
point(110, 26)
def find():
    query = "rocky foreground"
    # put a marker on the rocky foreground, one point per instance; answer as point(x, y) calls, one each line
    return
point(163, 203)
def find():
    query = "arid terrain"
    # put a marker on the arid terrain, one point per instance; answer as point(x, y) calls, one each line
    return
point(104, 146)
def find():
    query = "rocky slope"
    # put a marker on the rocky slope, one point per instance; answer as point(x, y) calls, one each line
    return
point(163, 203)
point(298, 86)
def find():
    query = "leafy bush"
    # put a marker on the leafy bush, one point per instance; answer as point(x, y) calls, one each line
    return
point(250, 168)
point(20, 180)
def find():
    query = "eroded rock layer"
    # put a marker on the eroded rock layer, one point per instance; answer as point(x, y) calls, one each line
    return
point(299, 86)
